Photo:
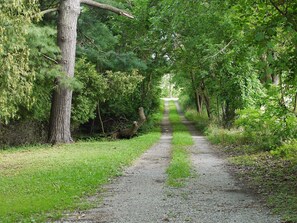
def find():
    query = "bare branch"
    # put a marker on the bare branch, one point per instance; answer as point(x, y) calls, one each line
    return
point(48, 11)
point(221, 51)
point(49, 58)
point(277, 8)
point(107, 7)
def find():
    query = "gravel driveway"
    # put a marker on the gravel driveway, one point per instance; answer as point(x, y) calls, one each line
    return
point(210, 196)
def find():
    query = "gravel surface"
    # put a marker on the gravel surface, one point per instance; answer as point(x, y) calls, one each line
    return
point(138, 196)
point(210, 196)
point(213, 195)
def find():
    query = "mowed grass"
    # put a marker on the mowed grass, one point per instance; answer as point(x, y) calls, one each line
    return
point(39, 183)
point(180, 166)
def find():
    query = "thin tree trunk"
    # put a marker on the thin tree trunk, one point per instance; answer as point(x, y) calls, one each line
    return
point(206, 99)
point(218, 107)
point(100, 118)
point(198, 101)
point(61, 106)
point(198, 98)
point(207, 105)
point(295, 104)
point(92, 126)
point(282, 99)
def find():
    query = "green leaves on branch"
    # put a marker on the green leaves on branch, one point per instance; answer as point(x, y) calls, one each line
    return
point(94, 88)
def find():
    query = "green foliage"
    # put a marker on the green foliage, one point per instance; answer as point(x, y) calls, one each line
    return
point(288, 150)
point(269, 127)
point(44, 56)
point(226, 137)
point(15, 75)
point(94, 88)
point(39, 184)
point(91, 90)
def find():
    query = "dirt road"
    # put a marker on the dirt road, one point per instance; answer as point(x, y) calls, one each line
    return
point(211, 196)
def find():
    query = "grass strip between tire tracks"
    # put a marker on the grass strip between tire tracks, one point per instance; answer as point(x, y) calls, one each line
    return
point(180, 165)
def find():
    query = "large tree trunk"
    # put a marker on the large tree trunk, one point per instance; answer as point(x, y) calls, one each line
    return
point(69, 11)
point(61, 105)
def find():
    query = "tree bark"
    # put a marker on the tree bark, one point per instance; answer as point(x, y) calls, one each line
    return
point(69, 11)
point(198, 97)
point(107, 7)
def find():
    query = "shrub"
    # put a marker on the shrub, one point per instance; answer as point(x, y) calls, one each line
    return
point(286, 151)
point(267, 128)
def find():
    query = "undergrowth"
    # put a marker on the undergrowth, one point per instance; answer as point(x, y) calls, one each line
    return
point(180, 166)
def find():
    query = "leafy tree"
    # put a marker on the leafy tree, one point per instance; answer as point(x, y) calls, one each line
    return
point(15, 75)
point(94, 89)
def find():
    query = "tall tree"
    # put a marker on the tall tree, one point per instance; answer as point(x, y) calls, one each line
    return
point(69, 11)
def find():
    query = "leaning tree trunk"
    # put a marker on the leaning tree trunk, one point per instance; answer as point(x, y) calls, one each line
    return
point(69, 11)
point(130, 132)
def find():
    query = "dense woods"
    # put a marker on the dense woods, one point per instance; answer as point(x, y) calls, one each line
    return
point(234, 61)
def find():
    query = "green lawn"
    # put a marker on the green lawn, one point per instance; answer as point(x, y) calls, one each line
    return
point(37, 183)
point(180, 166)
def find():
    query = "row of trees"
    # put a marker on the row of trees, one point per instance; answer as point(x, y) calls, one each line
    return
point(231, 58)
point(236, 59)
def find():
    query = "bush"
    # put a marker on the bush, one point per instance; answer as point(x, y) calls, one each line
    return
point(286, 151)
point(267, 128)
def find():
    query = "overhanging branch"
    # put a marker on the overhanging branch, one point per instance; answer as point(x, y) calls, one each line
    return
point(49, 58)
point(48, 11)
point(277, 8)
point(107, 7)
point(221, 51)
